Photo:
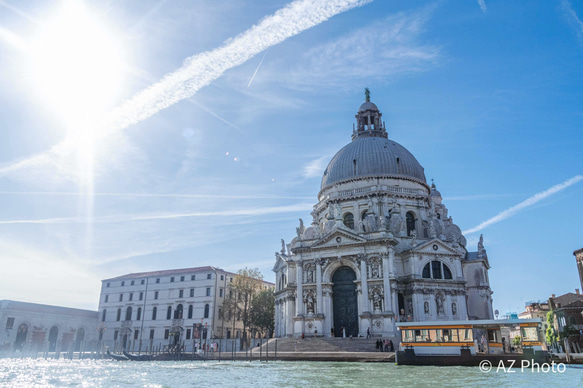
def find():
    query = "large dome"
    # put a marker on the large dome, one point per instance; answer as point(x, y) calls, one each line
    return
point(372, 156)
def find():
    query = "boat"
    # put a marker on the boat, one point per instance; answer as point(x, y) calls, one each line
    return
point(140, 357)
point(470, 343)
point(117, 357)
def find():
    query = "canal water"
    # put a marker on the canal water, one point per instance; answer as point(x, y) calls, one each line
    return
point(105, 373)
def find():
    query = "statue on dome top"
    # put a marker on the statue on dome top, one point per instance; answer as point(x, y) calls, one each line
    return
point(367, 94)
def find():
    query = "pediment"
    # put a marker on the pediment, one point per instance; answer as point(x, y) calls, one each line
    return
point(435, 247)
point(339, 237)
point(279, 262)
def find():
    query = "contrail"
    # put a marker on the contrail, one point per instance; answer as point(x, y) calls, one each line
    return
point(256, 70)
point(201, 69)
point(299, 207)
point(524, 204)
point(161, 195)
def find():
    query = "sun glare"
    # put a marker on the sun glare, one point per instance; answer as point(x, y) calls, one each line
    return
point(77, 66)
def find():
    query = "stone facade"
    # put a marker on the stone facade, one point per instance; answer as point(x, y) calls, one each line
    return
point(161, 308)
point(29, 328)
point(381, 248)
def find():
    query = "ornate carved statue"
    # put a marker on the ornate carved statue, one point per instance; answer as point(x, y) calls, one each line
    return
point(426, 307)
point(413, 237)
point(310, 304)
point(309, 275)
point(282, 247)
point(432, 232)
point(338, 211)
point(377, 301)
point(454, 309)
point(301, 229)
point(481, 243)
point(439, 303)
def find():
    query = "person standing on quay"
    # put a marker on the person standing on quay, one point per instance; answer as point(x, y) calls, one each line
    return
point(368, 333)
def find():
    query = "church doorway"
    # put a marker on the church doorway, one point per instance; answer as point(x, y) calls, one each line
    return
point(344, 302)
point(53, 337)
point(21, 337)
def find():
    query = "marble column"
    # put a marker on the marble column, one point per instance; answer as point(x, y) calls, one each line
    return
point(386, 280)
point(319, 305)
point(364, 283)
point(300, 293)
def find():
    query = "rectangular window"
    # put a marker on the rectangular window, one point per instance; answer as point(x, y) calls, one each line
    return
point(141, 295)
point(156, 295)
point(131, 296)
point(121, 297)
point(221, 293)
point(181, 294)
point(209, 276)
point(108, 284)
point(123, 284)
point(133, 282)
point(10, 323)
point(192, 277)
point(222, 277)
point(192, 292)
point(230, 294)
point(152, 334)
point(172, 279)
point(182, 278)
point(231, 280)
point(136, 334)
point(106, 298)
point(208, 291)
point(220, 313)
point(158, 280)
point(166, 334)
point(142, 282)
point(115, 335)
point(187, 334)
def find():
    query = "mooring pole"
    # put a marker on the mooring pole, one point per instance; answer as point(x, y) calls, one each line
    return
point(275, 356)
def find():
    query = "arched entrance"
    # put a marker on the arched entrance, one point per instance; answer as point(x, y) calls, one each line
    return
point(21, 337)
point(80, 338)
point(53, 336)
point(345, 303)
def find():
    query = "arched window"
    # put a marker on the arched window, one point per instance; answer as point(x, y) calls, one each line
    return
point(190, 310)
point(446, 272)
point(169, 313)
point(139, 315)
point(178, 312)
point(154, 312)
point(118, 315)
point(436, 270)
point(103, 315)
point(349, 220)
point(129, 314)
point(206, 310)
point(410, 222)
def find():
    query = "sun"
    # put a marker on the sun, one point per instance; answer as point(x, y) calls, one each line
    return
point(76, 65)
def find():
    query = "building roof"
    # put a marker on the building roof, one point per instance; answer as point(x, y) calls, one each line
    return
point(565, 299)
point(169, 272)
point(578, 305)
point(372, 156)
point(46, 309)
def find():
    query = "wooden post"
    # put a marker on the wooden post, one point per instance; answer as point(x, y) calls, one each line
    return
point(275, 356)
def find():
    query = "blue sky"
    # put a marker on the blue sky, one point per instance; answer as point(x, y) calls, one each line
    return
point(216, 163)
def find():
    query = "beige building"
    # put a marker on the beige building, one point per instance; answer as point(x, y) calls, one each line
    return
point(165, 308)
point(579, 258)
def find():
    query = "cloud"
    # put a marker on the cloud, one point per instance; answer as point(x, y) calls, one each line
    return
point(382, 49)
point(525, 204)
point(159, 195)
point(483, 6)
point(316, 167)
point(199, 71)
point(573, 19)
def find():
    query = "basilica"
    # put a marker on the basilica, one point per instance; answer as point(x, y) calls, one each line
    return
point(381, 248)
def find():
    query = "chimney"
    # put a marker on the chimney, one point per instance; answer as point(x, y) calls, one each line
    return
point(577, 291)
point(553, 296)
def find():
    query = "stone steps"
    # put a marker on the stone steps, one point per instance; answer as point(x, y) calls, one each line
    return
point(311, 344)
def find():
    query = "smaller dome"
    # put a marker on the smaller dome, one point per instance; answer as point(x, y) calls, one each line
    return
point(434, 191)
point(367, 106)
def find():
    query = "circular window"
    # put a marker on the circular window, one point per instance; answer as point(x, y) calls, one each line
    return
point(435, 247)
point(338, 239)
